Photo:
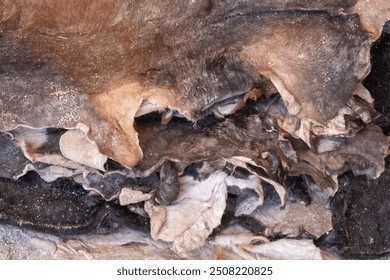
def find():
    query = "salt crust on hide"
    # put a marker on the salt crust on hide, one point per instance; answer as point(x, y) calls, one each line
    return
point(189, 220)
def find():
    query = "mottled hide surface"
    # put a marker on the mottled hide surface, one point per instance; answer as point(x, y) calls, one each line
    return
point(62, 207)
point(10, 150)
point(193, 129)
point(360, 208)
point(126, 59)
point(378, 81)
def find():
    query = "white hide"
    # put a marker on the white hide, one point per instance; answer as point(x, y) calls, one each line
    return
point(75, 145)
point(129, 196)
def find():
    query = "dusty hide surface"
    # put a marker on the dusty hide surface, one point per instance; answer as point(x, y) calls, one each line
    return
point(126, 59)
point(194, 129)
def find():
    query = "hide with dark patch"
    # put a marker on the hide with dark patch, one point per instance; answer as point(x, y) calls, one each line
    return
point(215, 128)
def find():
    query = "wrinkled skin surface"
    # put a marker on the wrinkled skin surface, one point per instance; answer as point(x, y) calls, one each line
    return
point(126, 59)
point(260, 103)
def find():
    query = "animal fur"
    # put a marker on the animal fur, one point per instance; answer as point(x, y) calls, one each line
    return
point(121, 59)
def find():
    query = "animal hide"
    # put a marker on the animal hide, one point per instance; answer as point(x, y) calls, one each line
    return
point(188, 124)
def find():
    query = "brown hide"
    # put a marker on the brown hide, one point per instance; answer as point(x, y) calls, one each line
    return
point(373, 14)
point(239, 119)
point(102, 63)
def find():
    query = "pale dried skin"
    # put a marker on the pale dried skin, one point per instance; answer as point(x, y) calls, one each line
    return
point(122, 245)
point(33, 142)
point(295, 217)
point(129, 196)
point(248, 246)
point(50, 173)
point(190, 60)
point(191, 218)
point(127, 244)
point(75, 145)
point(237, 236)
point(53, 172)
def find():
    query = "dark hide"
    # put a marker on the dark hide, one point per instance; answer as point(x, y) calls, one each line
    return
point(378, 81)
point(12, 160)
point(109, 185)
point(61, 207)
point(361, 213)
point(230, 107)
point(169, 188)
point(361, 207)
point(246, 134)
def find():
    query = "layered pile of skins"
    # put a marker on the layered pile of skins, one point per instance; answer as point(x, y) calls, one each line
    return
point(260, 183)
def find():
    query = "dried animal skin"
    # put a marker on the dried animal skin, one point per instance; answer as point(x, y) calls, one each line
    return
point(188, 78)
point(12, 160)
point(112, 71)
point(360, 218)
point(42, 145)
point(128, 196)
point(250, 195)
point(169, 187)
point(287, 249)
point(111, 184)
point(314, 219)
point(191, 218)
point(359, 153)
point(249, 246)
point(37, 207)
point(123, 244)
point(53, 172)
point(75, 145)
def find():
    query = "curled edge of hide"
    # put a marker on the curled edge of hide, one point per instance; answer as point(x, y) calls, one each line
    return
point(75, 145)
